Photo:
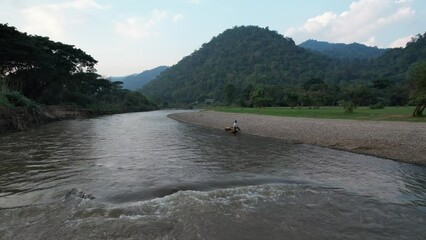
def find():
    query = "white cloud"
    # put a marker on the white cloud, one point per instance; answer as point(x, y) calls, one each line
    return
point(403, 1)
point(358, 24)
point(156, 17)
point(314, 24)
point(400, 42)
point(177, 17)
point(319, 22)
point(82, 4)
point(140, 27)
point(370, 42)
point(53, 19)
point(402, 13)
point(44, 21)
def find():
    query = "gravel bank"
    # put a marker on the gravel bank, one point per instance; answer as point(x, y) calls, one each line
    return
point(401, 141)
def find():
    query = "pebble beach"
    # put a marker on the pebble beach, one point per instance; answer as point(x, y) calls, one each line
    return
point(400, 141)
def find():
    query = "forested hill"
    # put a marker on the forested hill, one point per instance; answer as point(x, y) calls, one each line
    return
point(137, 81)
point(343, 51)
point(395, 63)
point(253, 66)
point(241, 56)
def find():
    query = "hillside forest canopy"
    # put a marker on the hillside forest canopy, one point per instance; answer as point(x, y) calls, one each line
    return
point(35, 70)
point(251, 66)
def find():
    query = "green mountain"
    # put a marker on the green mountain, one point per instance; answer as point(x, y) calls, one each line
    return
point(343, 51)
point(254, 66)
point(137, 81)
point(395, 62)
point(241, 56)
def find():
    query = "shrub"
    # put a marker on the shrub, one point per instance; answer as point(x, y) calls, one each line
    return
point(78, 98)
point(18, 100)
point(378, 105)
point(347, 105)
point(3, 100)
point(3, 91)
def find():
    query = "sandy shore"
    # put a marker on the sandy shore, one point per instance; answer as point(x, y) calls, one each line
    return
point(401, 141)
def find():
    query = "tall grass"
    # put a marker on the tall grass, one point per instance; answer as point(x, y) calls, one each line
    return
point(13, 98)
point(3, 94)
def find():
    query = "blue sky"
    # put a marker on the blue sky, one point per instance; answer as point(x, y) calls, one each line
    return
point(130, 36)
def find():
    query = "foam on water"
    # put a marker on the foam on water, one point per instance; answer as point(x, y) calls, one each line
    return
point(261, 212)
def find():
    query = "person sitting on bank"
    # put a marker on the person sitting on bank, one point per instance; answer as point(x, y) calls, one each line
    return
point(235, 126)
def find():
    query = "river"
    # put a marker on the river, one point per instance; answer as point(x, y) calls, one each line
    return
point(146, 176)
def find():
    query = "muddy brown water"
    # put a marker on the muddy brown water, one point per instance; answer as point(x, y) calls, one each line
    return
point(145, 176)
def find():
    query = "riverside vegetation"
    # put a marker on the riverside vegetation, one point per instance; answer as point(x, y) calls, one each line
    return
point(36, 72)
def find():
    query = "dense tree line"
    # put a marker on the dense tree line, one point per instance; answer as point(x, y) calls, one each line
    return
point(48, 72)
point(253, 66)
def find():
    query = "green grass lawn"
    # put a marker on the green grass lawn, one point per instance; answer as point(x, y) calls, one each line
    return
point(360, 113)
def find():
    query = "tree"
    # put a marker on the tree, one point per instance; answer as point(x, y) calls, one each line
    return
point(318, 92)
point(359, 93)
point(35, 65)
point(260, 97)
point(417, 81)
point(229, 91)
point(36, 68)
point(277, 95)
point(291, 97)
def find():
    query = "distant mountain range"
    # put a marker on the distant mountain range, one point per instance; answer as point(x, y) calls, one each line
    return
point(334, 50)
point(343, 51)
point(138, 80)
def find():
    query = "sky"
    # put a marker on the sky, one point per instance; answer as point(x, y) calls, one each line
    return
point(130, 36)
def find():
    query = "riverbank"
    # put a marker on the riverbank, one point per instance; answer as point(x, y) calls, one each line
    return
point(24, 118)
point(401, 141)
point(19, 119)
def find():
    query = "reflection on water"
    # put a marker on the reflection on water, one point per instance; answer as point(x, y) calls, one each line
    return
point(144, 175)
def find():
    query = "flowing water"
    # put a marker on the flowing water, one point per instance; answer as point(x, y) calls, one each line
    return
point(145, 176)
